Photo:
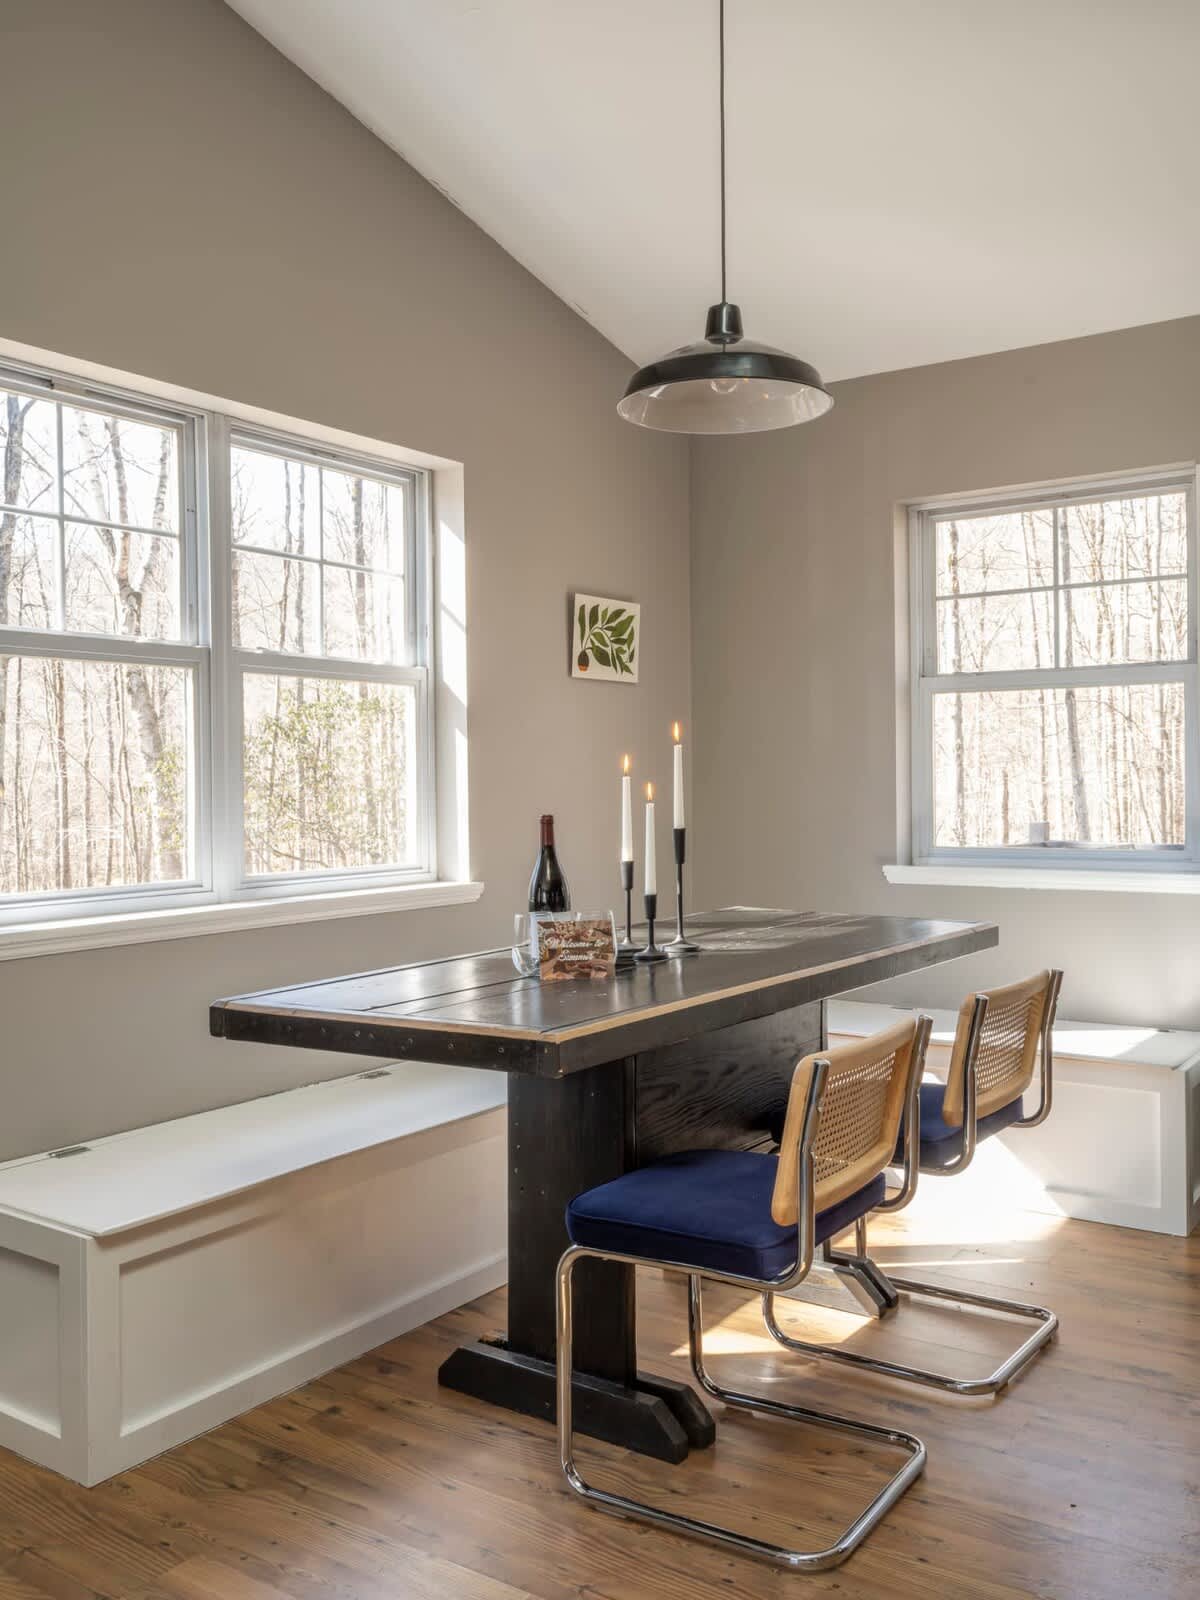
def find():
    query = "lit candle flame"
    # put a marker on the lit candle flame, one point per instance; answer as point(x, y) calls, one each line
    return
point(649, 791)
point(677, 731)
point(625, 765)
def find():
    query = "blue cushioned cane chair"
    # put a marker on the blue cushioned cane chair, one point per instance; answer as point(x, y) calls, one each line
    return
point(753, 1220)
point(996, 1047)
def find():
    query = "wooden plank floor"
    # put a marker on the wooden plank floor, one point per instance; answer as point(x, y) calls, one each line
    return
point(1081, 1483)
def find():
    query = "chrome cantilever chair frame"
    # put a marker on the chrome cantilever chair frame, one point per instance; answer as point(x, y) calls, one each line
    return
point(622, 1505)
point(1047, 1321)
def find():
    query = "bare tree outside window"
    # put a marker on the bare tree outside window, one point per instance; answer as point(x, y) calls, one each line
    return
point(214, 658)
point(320, 561)
point(94, 753)
point(1057, 674)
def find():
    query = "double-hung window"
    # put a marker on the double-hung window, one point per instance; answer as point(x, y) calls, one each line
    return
point(1054, 707)
point(214, 659)
point(325, 602)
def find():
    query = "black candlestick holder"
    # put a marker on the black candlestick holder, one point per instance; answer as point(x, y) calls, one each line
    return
point(626, 940)
point(626, 949)
point(651, 952)
point(680, 945)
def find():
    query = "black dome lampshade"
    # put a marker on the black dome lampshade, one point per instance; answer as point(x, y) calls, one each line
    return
point(724, 383)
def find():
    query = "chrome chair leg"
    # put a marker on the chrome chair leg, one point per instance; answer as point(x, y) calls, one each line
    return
point(622, 1505)
point(1047, 1326)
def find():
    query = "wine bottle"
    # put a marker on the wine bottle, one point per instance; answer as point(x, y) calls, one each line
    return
point(548, 889)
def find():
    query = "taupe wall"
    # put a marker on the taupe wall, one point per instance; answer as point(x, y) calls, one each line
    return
point(179, 201)
point(183, 203)
point(794, 598)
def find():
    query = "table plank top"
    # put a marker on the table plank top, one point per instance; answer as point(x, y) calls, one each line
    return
point(475, 1010)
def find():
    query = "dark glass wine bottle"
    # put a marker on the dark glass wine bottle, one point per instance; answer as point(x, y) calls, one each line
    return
point(548, 889)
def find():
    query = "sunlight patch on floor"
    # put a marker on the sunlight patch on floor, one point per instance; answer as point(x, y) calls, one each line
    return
point(730, 1337)
point(981, 1207)
point(962, 1226)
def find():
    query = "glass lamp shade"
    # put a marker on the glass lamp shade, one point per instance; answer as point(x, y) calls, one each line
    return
point(724, 384)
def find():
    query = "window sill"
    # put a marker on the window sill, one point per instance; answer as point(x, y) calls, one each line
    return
point(1115, 880)
point(25, 939)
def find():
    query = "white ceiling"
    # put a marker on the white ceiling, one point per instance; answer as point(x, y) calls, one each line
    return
point(910, 180)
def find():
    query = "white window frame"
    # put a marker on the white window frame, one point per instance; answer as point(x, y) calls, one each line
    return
point(215, 765)
point(926, 681)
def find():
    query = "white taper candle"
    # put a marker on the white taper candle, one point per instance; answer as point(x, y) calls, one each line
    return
point(626, 812)
point(678, 816)
point(651, 863)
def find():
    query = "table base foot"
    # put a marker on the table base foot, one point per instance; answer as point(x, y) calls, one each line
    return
point(659, 1418)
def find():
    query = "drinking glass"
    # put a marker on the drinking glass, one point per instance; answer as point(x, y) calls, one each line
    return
point(524, 945)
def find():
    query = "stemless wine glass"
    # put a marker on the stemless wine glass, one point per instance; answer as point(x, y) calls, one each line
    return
point(524, 945)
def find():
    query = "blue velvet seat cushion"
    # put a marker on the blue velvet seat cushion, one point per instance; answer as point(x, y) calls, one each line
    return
point(940, 1143)
point(707, 1209)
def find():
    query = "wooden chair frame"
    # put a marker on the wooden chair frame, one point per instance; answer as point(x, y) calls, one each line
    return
point(887, 1288)
point(796, 1196)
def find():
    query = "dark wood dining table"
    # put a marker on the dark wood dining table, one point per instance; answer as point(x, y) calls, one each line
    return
point(604, 1076)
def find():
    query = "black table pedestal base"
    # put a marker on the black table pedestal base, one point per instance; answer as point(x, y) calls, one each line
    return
point(659, 1418)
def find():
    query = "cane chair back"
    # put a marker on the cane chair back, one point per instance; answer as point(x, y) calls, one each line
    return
point(860, 1118)
point(1005, 1050)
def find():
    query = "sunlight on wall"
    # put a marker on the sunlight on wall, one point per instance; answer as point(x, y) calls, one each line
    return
point(451, 567)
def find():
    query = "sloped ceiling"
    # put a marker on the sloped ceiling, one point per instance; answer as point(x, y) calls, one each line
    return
point(910, 180)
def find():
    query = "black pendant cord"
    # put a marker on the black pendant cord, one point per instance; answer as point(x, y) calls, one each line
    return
point(752, 387)
point(721, 39)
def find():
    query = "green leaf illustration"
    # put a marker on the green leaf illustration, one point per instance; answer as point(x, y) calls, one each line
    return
point(609, 634)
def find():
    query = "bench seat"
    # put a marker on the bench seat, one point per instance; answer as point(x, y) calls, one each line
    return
point(161, 1281)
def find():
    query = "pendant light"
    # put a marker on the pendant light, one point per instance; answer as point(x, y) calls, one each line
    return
point(724, 383)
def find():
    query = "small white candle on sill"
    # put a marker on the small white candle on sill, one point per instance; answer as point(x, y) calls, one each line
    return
point(626, 812)
point(651, 863)
point(678, 818)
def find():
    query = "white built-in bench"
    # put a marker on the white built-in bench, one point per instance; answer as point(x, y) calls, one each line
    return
point(158, 1282)
point(1122, 1144)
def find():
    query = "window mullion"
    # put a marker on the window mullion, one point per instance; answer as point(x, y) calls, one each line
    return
point(225, 681)
point(60, 565)
point(1191, 762)
point(326, 667)
point(1087, 677)
point(1057, 522)
point(98, 647)
point(321, 555)
point(1191, 747)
